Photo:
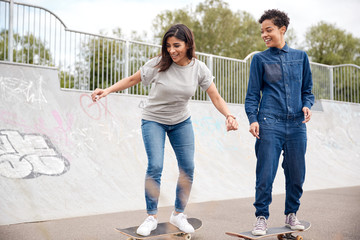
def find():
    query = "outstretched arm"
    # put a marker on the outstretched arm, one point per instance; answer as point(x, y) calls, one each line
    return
point(119, 86)
point(220, 104)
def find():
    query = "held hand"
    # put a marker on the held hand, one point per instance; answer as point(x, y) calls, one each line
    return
point(254, 129)
point(231, 123)
point(98, 94)
point(307, 114)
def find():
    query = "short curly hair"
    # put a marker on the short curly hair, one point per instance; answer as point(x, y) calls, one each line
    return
point(278, 17)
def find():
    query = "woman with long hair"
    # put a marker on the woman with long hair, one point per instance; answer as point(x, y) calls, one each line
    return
point(174, 75)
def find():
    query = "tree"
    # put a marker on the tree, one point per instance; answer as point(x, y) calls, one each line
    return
point(330, 45)
point(26, 49)
point(217, 29)
point(102, 61)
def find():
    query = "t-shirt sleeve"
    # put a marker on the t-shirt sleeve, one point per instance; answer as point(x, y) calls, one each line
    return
point(205, 77)
point(148, 71)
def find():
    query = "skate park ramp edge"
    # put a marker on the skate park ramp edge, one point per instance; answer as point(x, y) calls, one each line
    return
point(62, 156)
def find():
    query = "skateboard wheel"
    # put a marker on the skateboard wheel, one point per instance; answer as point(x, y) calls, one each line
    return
point(280, 237)
point(299, 238)
point(187, 236)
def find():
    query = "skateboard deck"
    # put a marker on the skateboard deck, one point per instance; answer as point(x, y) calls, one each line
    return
point(280, 232)
point(164, 228)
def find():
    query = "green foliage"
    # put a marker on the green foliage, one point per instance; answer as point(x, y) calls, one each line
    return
point(103, 55)
point(66, 79)
point(26, 49)
point(330, 45)
point(103, 61)
point(346, 84)
point(217, 29)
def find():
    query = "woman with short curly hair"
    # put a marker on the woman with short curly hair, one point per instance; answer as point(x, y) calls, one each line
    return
point(278, 103)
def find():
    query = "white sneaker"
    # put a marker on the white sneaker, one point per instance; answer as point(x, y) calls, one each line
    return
point(147, 226)
point(292, 222)
point(180, 221)
point(260, 227)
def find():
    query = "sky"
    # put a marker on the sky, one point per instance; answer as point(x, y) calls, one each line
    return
point(94, 15)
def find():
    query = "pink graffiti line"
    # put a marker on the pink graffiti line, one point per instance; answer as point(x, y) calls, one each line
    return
point(89, 107)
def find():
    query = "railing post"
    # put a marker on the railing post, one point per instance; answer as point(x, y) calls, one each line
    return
point(211, 68)
point(10, 35)
point(127, 59)
point(331, 79)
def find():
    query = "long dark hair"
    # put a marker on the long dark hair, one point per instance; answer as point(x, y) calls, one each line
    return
point(182, 32)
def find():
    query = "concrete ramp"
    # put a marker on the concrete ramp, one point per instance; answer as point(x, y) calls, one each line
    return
point(61, 155)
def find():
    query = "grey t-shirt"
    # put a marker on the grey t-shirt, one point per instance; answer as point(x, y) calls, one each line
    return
point(172, 89)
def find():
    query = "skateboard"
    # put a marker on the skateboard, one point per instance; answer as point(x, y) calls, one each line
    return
point(163, 229)
point(281, 233)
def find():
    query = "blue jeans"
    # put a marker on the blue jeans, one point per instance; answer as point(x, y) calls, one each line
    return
point(182, 140)
point(280, 133)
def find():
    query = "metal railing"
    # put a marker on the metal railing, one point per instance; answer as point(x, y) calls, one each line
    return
point(339, 82)
point(34, 35)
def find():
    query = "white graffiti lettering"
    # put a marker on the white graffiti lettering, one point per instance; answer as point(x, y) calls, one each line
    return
point(20, 89)
point(29, 156)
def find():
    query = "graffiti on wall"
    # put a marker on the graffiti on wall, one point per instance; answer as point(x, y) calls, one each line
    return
point(14, 89)
point(94, 110)
point(29, 156)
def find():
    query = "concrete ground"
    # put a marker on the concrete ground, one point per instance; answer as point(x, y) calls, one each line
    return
point(333, 213)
